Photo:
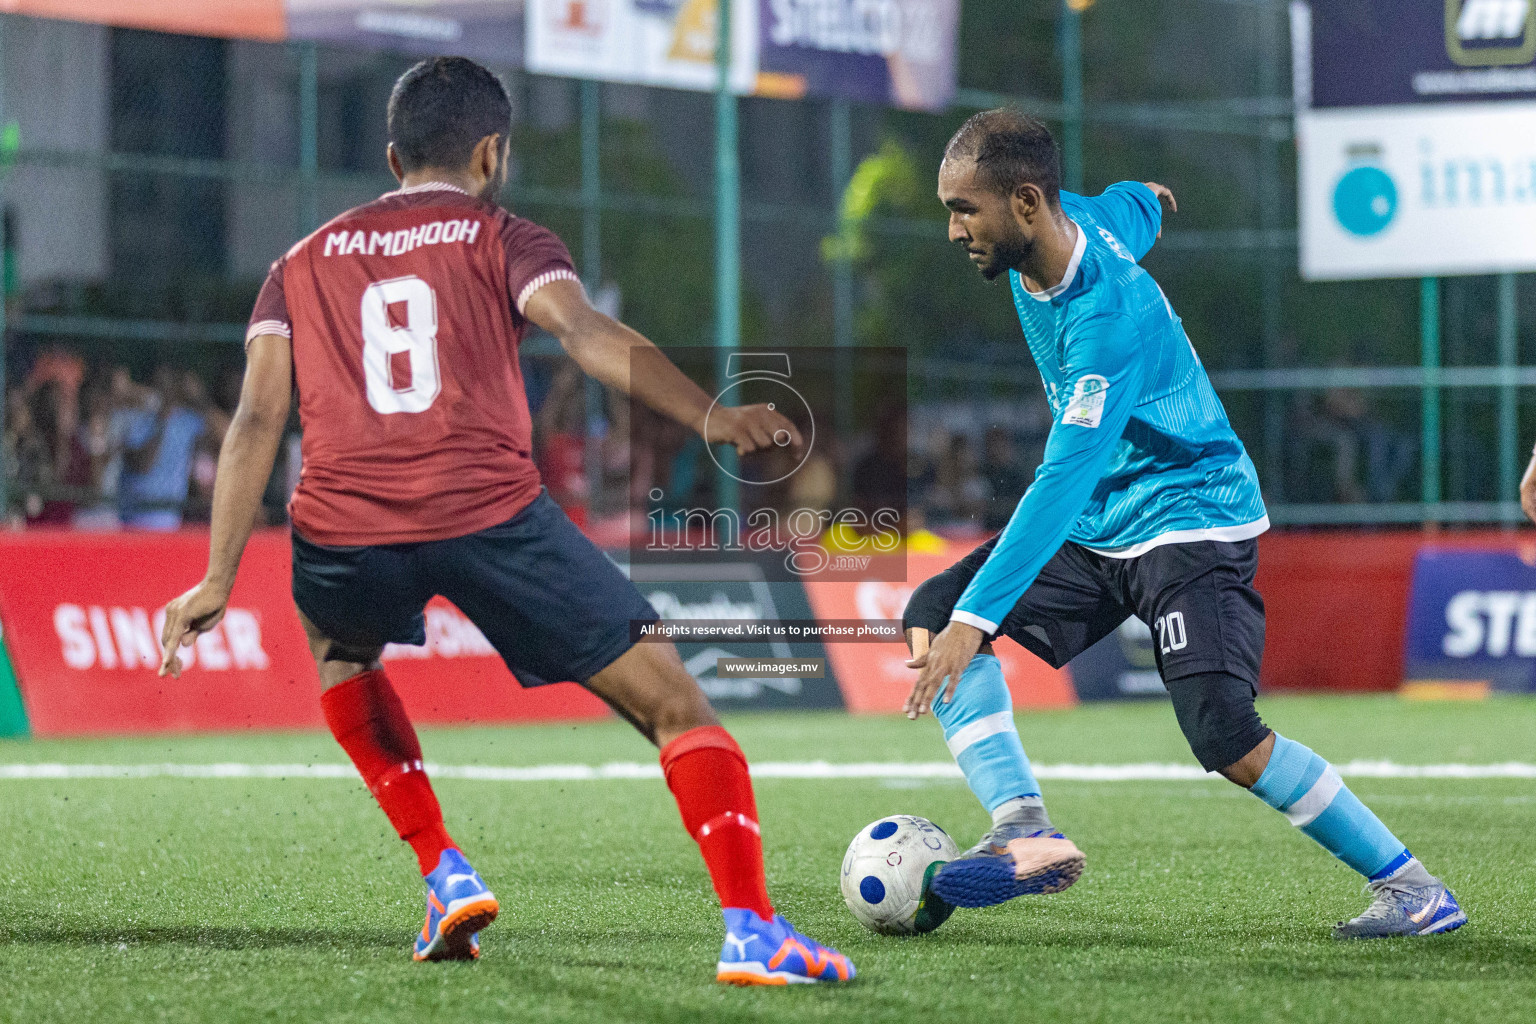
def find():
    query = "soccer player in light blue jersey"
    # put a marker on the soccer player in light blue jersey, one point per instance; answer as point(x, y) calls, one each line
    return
point(1146, 504)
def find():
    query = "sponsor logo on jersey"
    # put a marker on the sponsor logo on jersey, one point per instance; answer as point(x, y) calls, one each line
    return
point(1086, 409)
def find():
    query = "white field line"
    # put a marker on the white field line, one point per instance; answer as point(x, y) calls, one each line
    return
point(762, 770)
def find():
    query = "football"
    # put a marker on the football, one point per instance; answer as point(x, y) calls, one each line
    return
point(886, 873)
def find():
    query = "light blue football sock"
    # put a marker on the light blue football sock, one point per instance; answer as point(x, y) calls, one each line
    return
point(1308, 791)
point(978, 726)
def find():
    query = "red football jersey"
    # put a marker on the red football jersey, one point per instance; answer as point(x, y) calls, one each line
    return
point(405, 315)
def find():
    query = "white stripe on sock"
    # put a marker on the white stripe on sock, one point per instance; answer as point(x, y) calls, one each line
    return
point(1315, 800)
point(979, 730)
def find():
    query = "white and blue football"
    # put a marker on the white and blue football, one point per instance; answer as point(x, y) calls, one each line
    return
point(886, 872)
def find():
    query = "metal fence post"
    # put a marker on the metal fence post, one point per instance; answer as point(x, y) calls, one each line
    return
point(1271, 285)
point(1429, 423)
point(1509, 394)
point(1070, 43)
point(309, 136)
point(592, 270)
point(727, 234)
point(842, 268)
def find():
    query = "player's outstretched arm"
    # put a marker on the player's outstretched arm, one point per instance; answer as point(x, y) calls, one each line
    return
point(245, 464)
point(624, 359)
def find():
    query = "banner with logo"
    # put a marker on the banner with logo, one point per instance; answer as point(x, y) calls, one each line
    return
point(898, 53)
point(668, 43)
point(875, 677)
point(1122, 666)
point(487, 30)
point(1416, 134)
point(739, 592)
point(82, 614)
point(1472, 616)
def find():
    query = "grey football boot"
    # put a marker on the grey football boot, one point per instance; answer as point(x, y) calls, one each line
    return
point(1401, 909)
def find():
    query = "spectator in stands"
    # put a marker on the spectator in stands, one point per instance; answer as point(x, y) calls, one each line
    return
point(205, 451)
point(1006, 478)
point(158, 446)
point(1366, 460)
point(562, 442)
point(51, 467)
point(100, 436)
point(958, 496)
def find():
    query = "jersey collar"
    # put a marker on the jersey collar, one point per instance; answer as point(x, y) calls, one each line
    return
point(427, 186)
point(1066, 280)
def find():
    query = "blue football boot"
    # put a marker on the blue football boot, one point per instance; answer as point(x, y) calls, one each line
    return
point(1011, 860)
point(458, 906)
point(758, 952)
point(1404, 910)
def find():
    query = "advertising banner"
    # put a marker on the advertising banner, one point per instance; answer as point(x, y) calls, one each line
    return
point(235, 19)
point(1416, 134)
point(875, 678)
point(1472, 616)
point(487, 30)
point(1372, 53)
point(1122, 666)
point(82, 613)
point(668, 43)
point(1418, 190)
point(897, 53)
point(738, 592)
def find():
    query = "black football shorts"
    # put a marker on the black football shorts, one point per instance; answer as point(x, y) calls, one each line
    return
point(1198, 599)
point(552, 604)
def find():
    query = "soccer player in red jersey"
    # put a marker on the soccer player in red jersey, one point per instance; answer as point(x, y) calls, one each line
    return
point(398, 323)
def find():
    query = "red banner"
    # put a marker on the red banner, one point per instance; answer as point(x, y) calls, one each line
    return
point(1337, 602)
point(82, 615)
point(875, 677)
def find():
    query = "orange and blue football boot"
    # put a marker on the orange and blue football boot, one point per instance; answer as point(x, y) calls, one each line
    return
point(458, 906)
point(758, 952)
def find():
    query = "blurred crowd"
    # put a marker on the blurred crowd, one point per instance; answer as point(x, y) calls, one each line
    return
point(89, 446)
point(953, 467)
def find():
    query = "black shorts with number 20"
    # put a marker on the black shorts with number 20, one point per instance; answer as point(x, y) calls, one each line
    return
point(1198, 599)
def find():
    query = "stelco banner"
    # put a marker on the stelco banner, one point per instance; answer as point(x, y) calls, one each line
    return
point(898, 53)
point(1472, 616)
point(1416, 134)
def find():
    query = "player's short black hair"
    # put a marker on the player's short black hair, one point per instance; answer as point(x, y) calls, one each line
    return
point(440, 109)
point(1010, 148)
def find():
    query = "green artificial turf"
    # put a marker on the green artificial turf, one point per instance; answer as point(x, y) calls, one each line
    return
point(278, 900)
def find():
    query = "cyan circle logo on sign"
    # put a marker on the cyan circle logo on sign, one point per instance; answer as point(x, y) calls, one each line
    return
point(1365, 201)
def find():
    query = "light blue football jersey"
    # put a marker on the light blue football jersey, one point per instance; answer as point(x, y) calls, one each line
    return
point(1140, 451)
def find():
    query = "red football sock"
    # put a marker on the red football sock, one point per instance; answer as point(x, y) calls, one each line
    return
point(707, 773)
point(368, 720)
